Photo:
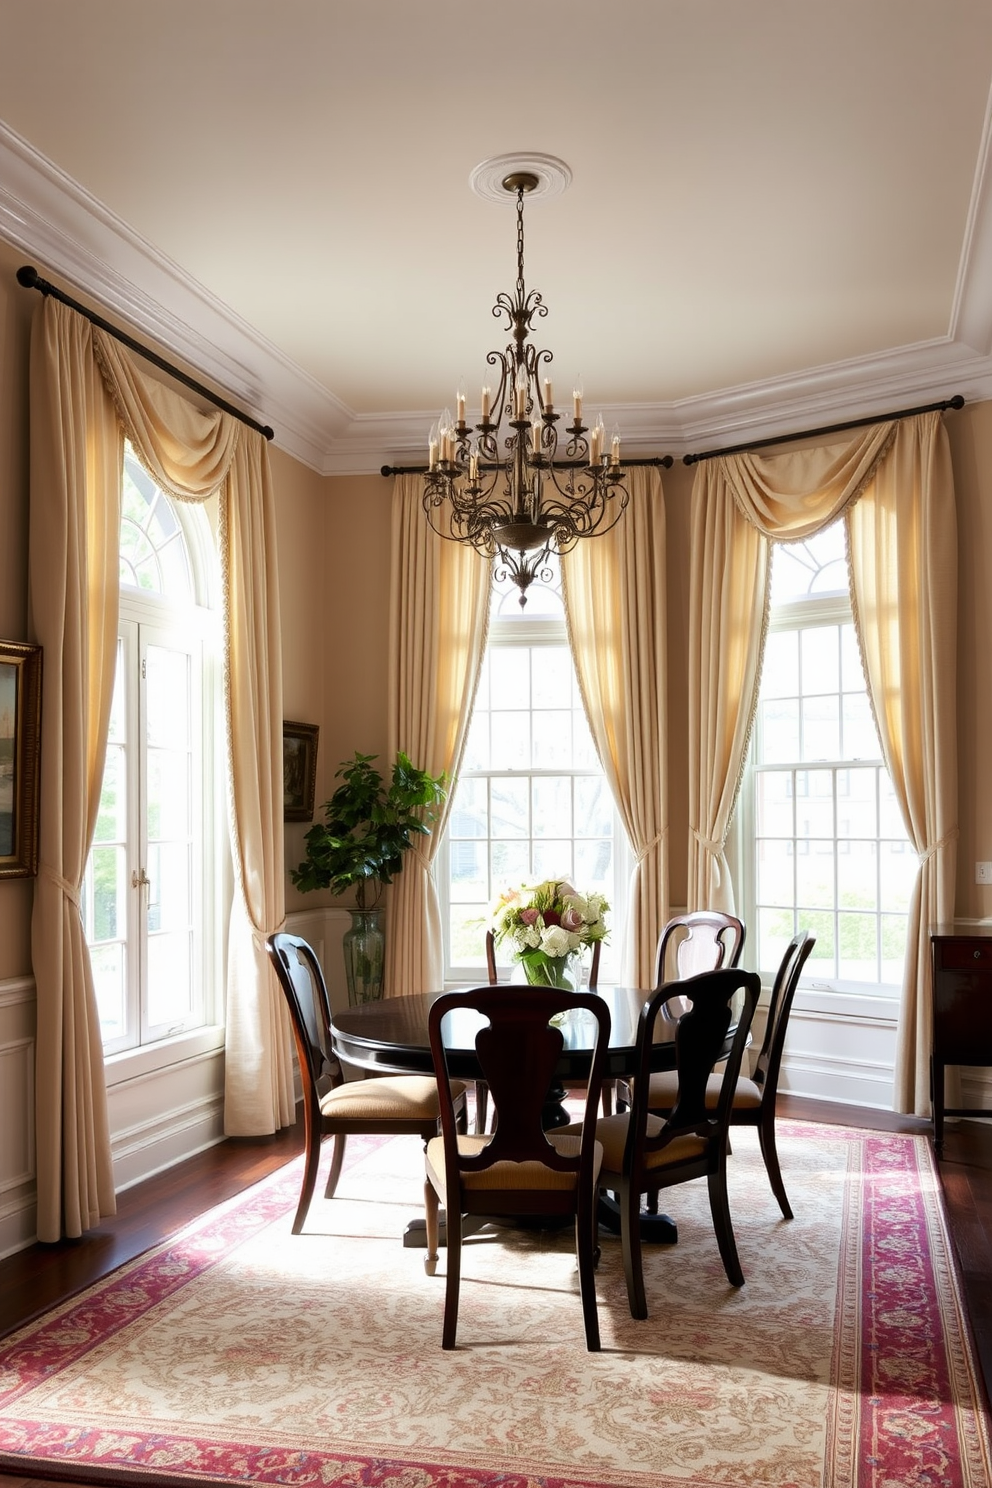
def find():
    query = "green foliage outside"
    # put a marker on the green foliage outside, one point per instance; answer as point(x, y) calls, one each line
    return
point(367, 828)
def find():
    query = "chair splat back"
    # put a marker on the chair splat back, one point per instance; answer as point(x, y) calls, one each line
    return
point(710, 940)
point(769, 1061)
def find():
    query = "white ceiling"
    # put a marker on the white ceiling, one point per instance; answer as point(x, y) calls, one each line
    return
point(780, 212)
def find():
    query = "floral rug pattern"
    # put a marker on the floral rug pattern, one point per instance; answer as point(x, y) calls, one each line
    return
point(237, 1352)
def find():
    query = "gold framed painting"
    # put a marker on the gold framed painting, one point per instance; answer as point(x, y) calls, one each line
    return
point(20, 755)
point(299, 770)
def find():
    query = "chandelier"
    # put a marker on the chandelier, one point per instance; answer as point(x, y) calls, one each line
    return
point(511, 486)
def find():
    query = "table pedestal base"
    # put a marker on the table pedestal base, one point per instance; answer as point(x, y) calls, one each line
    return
point(656, 1229)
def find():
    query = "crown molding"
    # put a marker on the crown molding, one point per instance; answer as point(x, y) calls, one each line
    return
point(70, 236)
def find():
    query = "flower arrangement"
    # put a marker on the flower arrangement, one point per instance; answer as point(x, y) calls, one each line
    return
point(546, 925)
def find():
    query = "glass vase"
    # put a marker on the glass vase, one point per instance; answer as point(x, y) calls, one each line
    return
point(364, 947)
point(553, 971)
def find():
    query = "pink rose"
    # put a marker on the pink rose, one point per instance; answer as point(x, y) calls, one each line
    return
point(571, 920)
point(528, 916)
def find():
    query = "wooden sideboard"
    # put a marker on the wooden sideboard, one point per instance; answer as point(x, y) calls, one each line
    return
point(962, 1011)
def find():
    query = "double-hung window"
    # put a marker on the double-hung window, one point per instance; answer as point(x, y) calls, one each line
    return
point(151, 883)
point(824, 845)
point(531, 801)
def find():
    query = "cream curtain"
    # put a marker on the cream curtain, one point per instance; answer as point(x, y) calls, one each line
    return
point(893, 482)
point(76, 452)
point(615, 603)
point(903, 544)
point(439, 609)
point(86, 394)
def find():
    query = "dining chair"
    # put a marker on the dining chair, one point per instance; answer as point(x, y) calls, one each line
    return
point(643, 1153)
point(481, 1091)
point(711, 940)
point(393, 1105)
point(518, 1169)
point(754, 1097)
point(702, 940)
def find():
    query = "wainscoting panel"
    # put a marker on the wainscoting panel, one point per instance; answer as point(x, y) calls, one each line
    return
point(17, 1155)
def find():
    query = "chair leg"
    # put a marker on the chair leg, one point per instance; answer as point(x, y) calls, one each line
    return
point(432, 1227)
point(722, 1225)
point(337, 1158)
point(453, 1234)
point(630, 1246)
point(311, 1164)
point(766, 1137)
point(585, 1252)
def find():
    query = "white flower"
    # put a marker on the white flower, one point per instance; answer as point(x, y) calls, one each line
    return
point(557, 942)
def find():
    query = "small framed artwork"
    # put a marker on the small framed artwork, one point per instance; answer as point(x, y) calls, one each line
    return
point(299, 770)
point(20, 757)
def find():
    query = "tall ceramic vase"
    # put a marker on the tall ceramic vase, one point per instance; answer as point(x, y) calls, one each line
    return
point(364, 947)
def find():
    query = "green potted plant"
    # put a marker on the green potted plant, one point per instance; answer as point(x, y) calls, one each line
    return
point(359, 847)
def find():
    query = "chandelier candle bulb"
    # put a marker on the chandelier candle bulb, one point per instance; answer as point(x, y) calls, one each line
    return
point(615, 447)
point(535, 434)
point(548, 404)
point(486, 396)
point(577, 402)
point(460, 403)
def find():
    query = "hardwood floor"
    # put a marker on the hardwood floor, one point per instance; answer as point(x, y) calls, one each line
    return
point(36, 1279)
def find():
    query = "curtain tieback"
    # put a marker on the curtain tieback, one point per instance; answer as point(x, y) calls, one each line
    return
point(69, 890)
point(261, 936)
point(642, 853)
point(712, 845)
point(950, 836)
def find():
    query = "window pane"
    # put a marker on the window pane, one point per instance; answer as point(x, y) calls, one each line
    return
point(857, 883)
point(510, 807)
point(552, 739)
point(776, 873)
point(860, 738)
point(510, 736)
point(819, 649)
point(469, 813)
point(821, 728)
point(593, 808)
point(815, 869)
point(814, 803)
point(109, 983)
point(780, 668)
point(552, 808)
point(778, 724)
point(775, 803)
point(858, 958)
point(170, 979)
point(469, 876)
point(856, 810)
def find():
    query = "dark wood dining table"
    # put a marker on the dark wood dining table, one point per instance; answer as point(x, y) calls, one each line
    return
point(390, 1037)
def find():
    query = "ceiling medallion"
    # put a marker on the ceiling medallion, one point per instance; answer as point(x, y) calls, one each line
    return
point(506, 485)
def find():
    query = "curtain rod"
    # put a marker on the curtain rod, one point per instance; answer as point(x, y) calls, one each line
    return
point(880, 418)
point(666, 460)
point(31, 279)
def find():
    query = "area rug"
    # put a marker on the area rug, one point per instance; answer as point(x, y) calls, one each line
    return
point(238, 1352)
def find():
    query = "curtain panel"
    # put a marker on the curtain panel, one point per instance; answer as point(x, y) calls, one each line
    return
point(893, 484)
point(615, 605)
point(87, 393)
point(439, 614)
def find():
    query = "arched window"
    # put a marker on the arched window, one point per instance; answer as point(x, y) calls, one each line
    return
point(151, 886)
point(532, 801)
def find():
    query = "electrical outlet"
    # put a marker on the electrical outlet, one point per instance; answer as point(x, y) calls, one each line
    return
point(983, 873)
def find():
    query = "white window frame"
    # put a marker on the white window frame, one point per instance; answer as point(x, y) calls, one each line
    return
point(532, 632)
point(197, 626)
point(822, 992)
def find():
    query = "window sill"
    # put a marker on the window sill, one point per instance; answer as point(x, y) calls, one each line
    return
point(133, 1064)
